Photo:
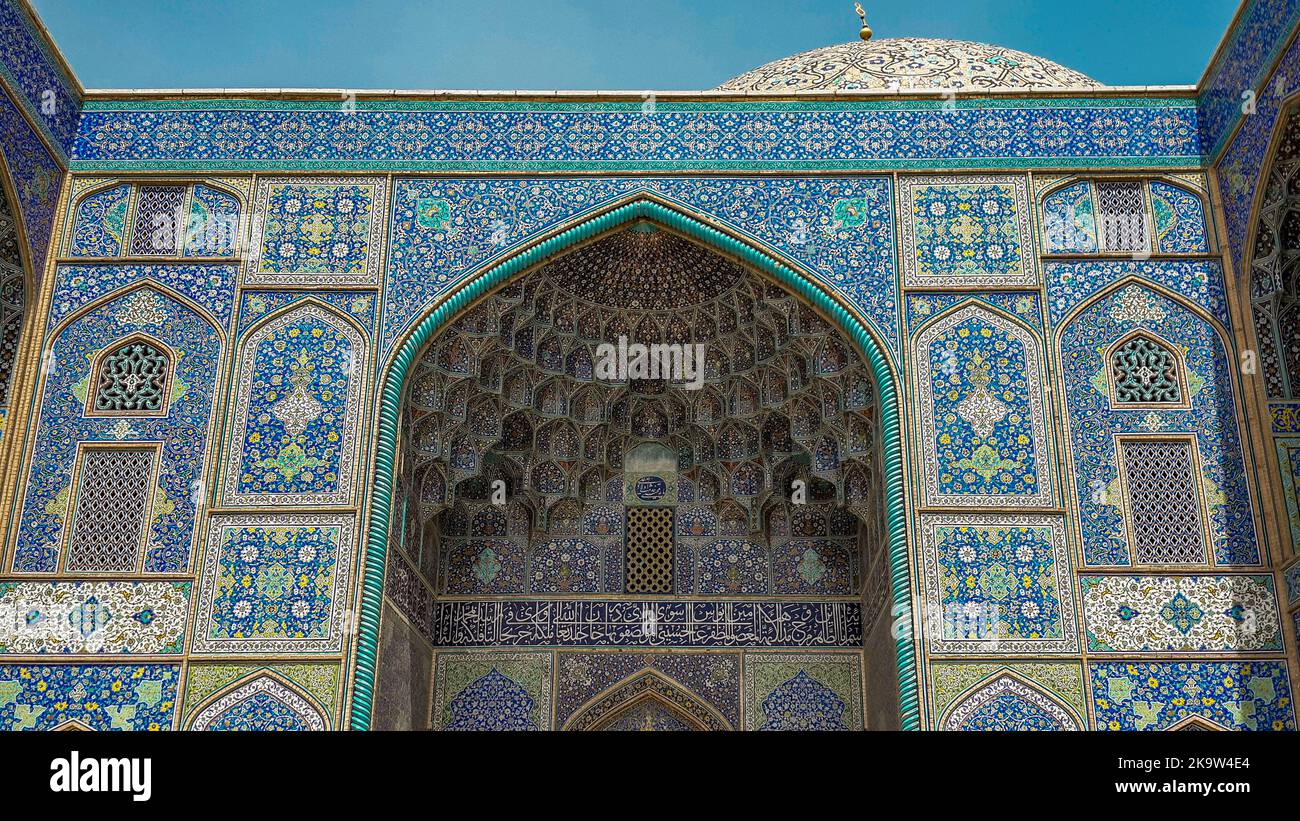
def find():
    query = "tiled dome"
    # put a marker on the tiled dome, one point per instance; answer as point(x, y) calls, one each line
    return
point(909, 64)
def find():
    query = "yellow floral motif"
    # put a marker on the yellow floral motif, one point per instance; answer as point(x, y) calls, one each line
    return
point(58, 506)
point(162, 505)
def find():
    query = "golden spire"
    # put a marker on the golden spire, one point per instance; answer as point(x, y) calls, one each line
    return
point(865, 32)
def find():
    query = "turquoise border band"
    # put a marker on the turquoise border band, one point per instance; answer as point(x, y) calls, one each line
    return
point(633, 166)
point(372, 589)
point(415, 104)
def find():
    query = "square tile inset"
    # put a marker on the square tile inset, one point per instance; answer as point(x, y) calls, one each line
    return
point(275, 584)
point(966, 231)
point(317, 231)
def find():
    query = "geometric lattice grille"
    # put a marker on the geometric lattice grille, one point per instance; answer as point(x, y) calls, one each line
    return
point(649, 550)
point(113, 496)
point(1123, 216)
point(1163, 502)
point(158, 220)
point(1145, 372)
point(131, 380)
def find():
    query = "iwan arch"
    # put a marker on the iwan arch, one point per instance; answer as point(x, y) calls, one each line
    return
point(995, 429)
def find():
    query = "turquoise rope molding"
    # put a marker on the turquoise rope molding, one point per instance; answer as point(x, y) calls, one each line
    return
point(367, 654)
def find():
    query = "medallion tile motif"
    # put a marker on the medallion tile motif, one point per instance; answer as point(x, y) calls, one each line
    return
point(275, 584)
point(93, 617)
point(966, 231)
point(301, 378)
point(318, 231)
point(1180, 614)
point(997, 584)
point(981, 412)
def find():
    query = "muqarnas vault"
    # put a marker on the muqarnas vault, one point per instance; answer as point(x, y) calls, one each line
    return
point(304, 426)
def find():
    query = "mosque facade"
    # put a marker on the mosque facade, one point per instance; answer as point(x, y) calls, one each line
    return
point(901, 384)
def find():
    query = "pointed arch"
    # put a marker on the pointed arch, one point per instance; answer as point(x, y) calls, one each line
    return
point(646, 687)
point(49, 463)
point(17, 321)
point(97, 364)
point(1196, 723)
point(1009, 701)
point(1154, 287)
point(1157, 343)
point(316, 432)
point(639, 205)
point(73, 725)
point(998, 451)
point(144, 283)
point(1215, 392)
point(1265, 272)
point(262, 701)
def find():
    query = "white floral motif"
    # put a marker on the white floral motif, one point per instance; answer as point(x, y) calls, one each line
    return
point(297, 410)
point(142, 309)
point(1152, 422)
point(94, 617)
point(1217, 614)
point(1134, 305)
point(981, 409)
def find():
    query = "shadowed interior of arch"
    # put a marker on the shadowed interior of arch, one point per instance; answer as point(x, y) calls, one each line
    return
point(639, 425)
point(13, 293)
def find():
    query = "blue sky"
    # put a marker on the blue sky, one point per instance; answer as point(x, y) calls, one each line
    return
point(586, 44)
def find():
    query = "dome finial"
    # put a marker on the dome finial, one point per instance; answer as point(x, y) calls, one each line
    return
point(865, 32)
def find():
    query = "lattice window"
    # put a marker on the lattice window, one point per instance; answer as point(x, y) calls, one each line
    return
point(112, 509)
point(649, 549)
point(1145, 372)
point(158, 220)
point(1123, 216)
point(1164, 503)
point(132, 381)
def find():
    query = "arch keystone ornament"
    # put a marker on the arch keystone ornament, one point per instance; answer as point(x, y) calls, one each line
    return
point(641, 208)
